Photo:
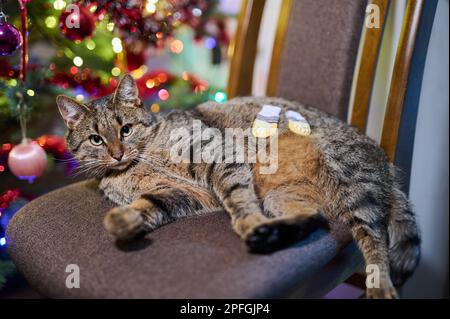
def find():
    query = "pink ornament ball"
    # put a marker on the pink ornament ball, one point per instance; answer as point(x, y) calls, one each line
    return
point(27, 161)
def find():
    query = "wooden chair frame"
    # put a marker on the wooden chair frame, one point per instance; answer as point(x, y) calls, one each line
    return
point(244, 48)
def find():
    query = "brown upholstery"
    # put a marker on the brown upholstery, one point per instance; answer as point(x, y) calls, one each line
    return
point(197, 257)
point(319, 54)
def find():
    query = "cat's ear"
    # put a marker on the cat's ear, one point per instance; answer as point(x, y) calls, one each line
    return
point(71, 111)
point(127, 92)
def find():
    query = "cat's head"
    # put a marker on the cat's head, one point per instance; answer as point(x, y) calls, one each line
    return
point(109, 133)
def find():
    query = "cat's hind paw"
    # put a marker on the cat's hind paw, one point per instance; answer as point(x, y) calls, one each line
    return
point(268, 238)
point(382, 293)
point(385, 291)
point(279, 234)
point(124, 223)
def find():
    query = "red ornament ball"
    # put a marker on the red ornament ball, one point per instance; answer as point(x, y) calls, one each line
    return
point(10, 39)
point(78, 24)
point(27, 161)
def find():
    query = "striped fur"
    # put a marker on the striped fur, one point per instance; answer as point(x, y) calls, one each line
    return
point(335, 175)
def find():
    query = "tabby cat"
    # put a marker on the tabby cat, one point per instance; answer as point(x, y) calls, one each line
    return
point(335, 174)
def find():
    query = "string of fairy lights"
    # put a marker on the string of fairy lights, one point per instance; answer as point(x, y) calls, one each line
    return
point(95, 15)
point(175, 46)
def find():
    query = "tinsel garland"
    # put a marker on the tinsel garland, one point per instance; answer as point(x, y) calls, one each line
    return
point(155, 21)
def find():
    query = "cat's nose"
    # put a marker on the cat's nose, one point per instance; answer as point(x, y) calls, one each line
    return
point(117, 155)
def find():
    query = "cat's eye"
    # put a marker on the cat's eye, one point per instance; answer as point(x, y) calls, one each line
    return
point(126, 130)
point(96, 140)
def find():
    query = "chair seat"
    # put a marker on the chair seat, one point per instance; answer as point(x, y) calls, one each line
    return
point(198, 257)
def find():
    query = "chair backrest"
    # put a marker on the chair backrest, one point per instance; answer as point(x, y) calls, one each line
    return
point(315, 64)
point(315, 53)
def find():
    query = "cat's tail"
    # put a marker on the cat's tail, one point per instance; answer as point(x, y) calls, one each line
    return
point(404, 237)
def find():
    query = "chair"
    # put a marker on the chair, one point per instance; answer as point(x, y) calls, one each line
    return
point(314, 60)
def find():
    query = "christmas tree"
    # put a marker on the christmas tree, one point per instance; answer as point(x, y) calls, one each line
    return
point(176, 51)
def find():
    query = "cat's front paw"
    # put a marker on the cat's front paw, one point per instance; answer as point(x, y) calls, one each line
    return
point(124, 223)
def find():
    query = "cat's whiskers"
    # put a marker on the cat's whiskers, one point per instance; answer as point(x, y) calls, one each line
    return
point(82, 171)
point(150, 158)
point(93, 167)
point(153, 161)
point(133, 154)
point(64, 161)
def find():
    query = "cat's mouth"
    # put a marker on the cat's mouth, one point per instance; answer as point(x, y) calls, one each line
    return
point(121, 165)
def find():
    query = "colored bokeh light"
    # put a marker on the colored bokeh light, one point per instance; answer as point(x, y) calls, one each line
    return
point(176, 46)
point(115, 71)
point(220, 97)
point(78, 61)
point(210, 43)
point(163, 94)
point(155, 108)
